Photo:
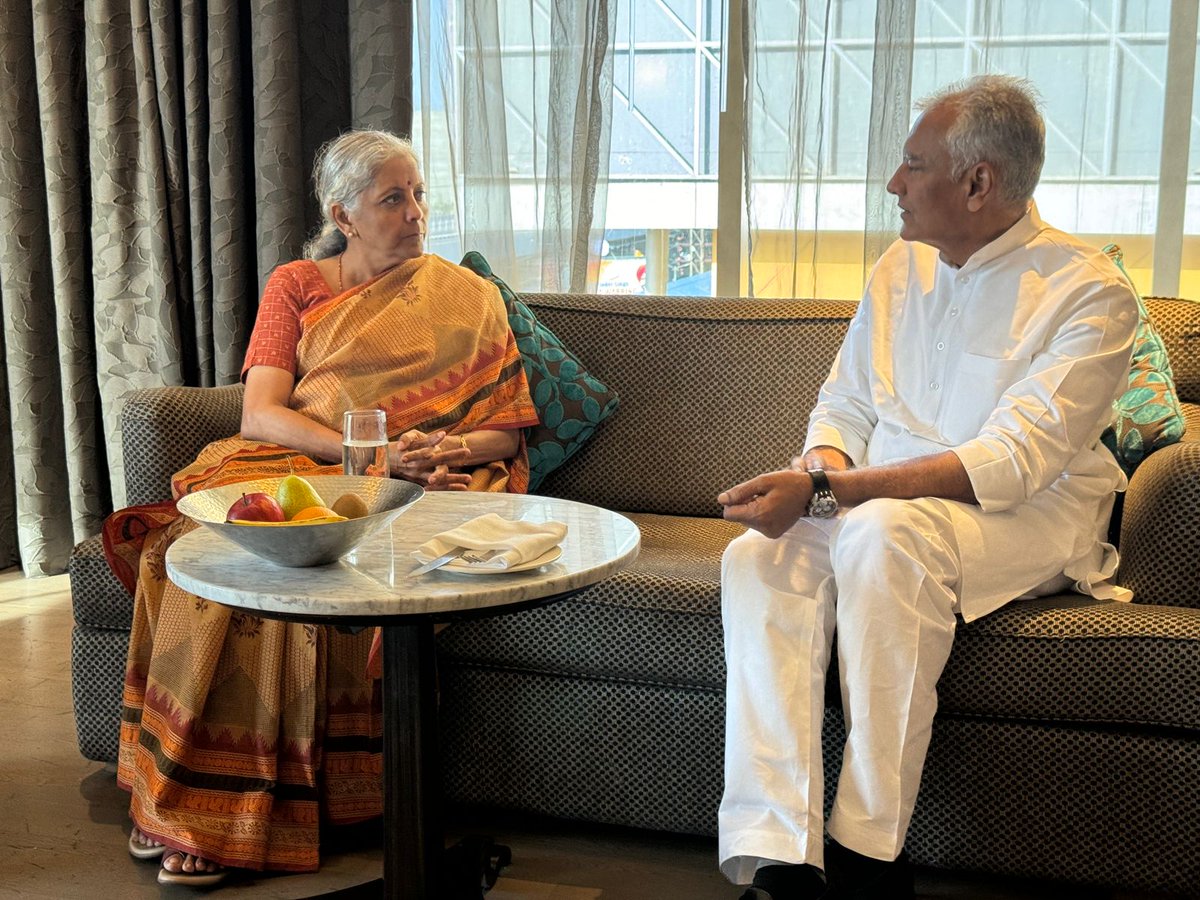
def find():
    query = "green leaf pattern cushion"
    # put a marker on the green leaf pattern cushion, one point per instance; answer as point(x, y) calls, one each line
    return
point(569, 401)
point(1147, 416)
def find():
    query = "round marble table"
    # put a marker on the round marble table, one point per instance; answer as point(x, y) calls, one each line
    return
point(373, 585)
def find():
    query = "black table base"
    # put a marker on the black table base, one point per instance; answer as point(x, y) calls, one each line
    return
point(416, 863)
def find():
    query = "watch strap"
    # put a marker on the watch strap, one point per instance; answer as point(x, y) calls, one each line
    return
point(820, 481)
point(823, 504)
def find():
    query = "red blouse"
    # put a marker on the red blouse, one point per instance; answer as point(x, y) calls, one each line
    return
point(291, 289)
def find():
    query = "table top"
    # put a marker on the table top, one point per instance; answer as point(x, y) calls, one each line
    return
point(373, 582)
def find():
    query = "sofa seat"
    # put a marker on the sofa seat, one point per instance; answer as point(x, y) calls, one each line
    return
point(1082, 661)
point(659, 622)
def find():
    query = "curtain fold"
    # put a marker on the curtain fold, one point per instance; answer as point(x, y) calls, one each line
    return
point(891, 103)
point(155, 160)
point(514, 125)
point(579, 130)
point(32, 524)
point(487, 223)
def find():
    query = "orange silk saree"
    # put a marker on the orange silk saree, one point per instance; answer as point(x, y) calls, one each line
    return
point(240, 735)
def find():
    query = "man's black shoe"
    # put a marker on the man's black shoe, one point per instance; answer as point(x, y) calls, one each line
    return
point(853, 876)
point(786, 883)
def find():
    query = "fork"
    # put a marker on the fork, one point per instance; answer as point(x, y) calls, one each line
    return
point(475, 558)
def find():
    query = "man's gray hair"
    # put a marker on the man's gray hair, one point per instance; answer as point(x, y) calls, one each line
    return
point(998, 122)
point(344, 168)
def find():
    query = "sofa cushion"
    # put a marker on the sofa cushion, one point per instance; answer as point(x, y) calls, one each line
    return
point(571, 403)
point(1071, 658)
point(1067, 658)
point(1147, 415)
point(658, 621)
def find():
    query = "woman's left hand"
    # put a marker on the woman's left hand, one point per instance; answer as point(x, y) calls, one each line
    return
point(425, 459)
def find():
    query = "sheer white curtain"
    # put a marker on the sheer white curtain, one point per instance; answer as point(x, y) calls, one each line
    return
point(830, 88)
point(529, 159)
point(514, 111)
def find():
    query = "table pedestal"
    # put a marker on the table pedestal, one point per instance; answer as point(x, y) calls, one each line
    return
point(412, 775)
point(415, 865)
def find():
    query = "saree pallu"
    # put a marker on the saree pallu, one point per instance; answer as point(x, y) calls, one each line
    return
point(240, 735)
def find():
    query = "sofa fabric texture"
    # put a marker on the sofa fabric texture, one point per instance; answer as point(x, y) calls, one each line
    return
point(1067, 744)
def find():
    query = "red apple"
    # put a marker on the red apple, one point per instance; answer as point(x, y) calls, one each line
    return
point(255, 507)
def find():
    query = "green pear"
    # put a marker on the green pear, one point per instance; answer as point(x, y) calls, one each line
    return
point(295, 494)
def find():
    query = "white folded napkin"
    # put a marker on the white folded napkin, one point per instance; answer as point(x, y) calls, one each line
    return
point(516, 542)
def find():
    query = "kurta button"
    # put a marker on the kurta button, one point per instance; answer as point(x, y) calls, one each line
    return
point(933, 385)
point(941, 345)
point(954, 311)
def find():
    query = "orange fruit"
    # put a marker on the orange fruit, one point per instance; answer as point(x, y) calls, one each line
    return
point(310, 513)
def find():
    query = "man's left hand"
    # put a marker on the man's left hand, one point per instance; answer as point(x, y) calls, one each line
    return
point(771, 503)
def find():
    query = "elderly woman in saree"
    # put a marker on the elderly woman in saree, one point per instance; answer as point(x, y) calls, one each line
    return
point(240, 735)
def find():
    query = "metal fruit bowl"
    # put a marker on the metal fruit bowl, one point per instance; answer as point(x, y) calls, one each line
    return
point(301, 544)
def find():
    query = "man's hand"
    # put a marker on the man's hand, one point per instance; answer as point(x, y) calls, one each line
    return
point(771, 503)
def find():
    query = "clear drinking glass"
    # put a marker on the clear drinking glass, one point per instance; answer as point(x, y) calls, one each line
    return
point(364, 443)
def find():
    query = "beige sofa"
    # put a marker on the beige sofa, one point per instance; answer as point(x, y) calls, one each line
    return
point(1067, 745)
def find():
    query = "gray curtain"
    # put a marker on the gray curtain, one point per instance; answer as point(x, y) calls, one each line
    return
point(155, 161)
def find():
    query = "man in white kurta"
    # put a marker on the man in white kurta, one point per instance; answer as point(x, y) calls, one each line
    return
point(958, 437)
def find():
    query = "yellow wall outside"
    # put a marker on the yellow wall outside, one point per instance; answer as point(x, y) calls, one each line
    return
point(833, 270)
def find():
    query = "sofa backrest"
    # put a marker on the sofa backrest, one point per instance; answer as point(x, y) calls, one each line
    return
point(164, 429)
point(713, 391)
point(1178, 322)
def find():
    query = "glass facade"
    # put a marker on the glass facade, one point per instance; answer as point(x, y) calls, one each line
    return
point(1101, 66)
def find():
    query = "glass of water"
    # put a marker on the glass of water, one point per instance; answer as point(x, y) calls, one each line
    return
point(365, 443)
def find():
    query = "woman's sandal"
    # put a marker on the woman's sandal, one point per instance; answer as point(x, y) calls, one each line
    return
point(189, 879)
point(138, 850)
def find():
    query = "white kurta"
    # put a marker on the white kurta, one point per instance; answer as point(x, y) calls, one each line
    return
point(1012, 362)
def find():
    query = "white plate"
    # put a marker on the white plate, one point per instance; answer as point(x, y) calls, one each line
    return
point(462, 568)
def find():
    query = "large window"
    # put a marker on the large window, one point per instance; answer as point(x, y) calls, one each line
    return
point(803, 193)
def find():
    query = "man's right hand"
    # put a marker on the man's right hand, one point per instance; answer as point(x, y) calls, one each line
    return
point(771, 503)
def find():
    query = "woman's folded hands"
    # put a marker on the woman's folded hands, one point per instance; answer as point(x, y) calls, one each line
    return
point(430, 460)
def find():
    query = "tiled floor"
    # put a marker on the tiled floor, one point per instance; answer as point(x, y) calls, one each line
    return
point(63, 827)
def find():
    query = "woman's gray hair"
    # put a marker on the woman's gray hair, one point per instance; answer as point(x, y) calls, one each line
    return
point(344, 168)
point(998, 122)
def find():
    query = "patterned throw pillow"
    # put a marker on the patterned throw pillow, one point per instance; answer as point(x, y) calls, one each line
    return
point(569, 401)
point(1147, 414)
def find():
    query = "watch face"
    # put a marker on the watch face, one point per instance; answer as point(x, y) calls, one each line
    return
point(823, 505)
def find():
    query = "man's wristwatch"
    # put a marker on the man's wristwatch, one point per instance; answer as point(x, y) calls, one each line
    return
point(823, 504)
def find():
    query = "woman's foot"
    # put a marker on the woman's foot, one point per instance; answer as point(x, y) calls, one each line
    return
point(142, 846)
point(184, 868)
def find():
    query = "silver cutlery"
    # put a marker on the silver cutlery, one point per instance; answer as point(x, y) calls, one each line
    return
point(464, 553)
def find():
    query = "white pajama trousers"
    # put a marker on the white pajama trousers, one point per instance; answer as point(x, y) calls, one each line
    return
point(887, 575)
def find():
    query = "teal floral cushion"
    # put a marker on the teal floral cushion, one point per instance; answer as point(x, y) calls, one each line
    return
point(570, 402)
point(1147, 416)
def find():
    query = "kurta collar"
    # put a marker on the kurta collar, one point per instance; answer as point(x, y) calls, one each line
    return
point(1021, 233)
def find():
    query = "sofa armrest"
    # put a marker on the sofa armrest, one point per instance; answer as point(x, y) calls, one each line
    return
point(163, 429)
point(1160, 528)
